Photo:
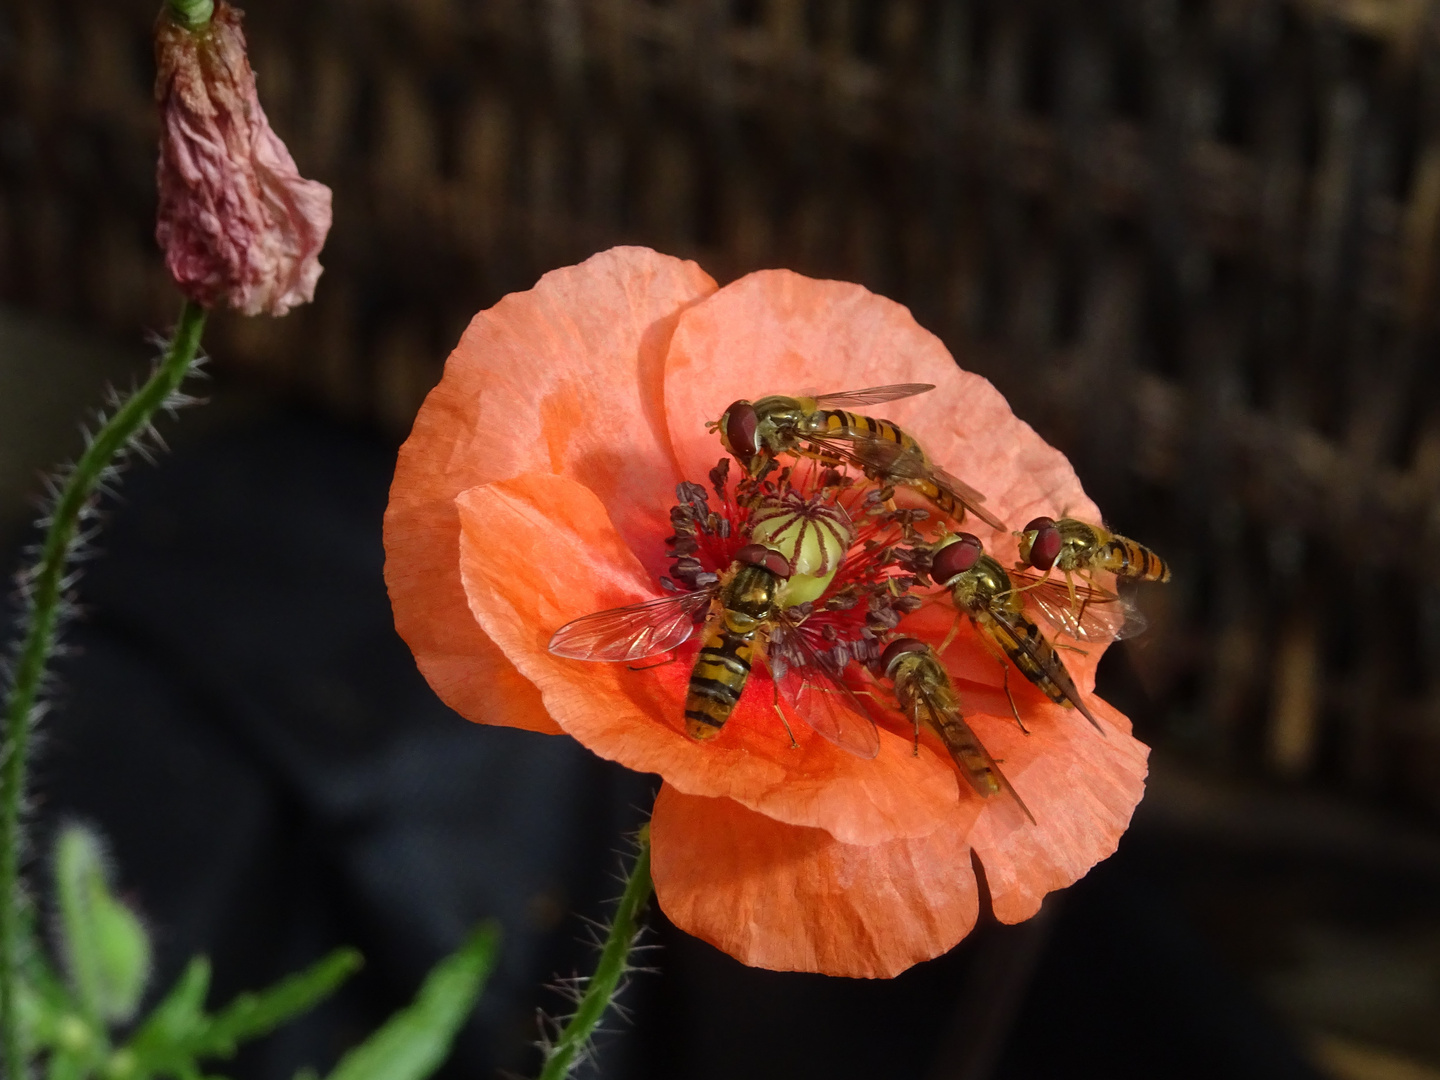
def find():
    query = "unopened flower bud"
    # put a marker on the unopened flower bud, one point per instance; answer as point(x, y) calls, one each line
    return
point(239, 225)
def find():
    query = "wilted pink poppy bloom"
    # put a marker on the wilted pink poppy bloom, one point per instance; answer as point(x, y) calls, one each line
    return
point(239, 225)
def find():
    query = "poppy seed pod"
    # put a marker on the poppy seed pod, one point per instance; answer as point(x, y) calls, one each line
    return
point(239, 225)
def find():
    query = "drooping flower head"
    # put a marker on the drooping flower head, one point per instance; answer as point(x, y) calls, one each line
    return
point(238, 224)
point(540, 485)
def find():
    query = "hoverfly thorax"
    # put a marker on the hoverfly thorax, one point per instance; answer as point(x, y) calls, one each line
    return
point(756, 582)
point(985, 582)
point(779, 421)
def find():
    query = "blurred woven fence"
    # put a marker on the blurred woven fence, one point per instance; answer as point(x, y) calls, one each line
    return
point(1194, 242)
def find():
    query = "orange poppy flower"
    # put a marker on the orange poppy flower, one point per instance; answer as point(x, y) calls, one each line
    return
point(536, 487)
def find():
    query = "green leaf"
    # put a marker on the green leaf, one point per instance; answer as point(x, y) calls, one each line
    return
point(251, 1015)
point(163, 1042)
point(178, 1033)
point(47, 1014)
point(103, 943)
point(65, 1066)
point(414, 1042)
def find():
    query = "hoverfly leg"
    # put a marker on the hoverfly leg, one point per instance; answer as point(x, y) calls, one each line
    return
point(1003, 661)
point(781, 713)
point(775, 690)
point(1039, 581)
point(650, 667)
point(954, 629)
point(915, 720)
point(1005, 673)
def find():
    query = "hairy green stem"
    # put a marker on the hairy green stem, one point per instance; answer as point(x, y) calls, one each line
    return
point(614, 963)
point(44, 593)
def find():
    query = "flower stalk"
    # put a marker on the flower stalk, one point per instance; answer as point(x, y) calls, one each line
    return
point(566, 1051)
point(42, 588)
point(191, 14)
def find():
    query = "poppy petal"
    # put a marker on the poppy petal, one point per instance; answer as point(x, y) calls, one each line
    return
point(1081, 786)
point(779, 896)
point(567, 378)
point(540, 550)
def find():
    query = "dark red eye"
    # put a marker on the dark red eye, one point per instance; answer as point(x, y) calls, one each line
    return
point(741, 424)
point(1045, 545)
point(760, 555)
point(955, 558)
point(898, 648)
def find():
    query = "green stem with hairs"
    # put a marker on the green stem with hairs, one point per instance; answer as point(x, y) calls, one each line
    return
point(614, 963)
point(46, 584)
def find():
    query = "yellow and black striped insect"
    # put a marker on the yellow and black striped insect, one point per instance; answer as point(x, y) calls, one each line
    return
point(1072, 546)
point(927, 696)
point(823, 427)
point(1087, 612)
point(740, 613)
point(982, 590)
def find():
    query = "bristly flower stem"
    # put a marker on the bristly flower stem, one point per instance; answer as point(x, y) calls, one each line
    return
point(43, 588)
point(600, 991)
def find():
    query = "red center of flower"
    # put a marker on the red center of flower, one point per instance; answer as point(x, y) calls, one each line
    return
point(865, 599)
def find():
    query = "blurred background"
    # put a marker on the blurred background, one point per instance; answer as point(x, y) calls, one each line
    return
point(1195, 242)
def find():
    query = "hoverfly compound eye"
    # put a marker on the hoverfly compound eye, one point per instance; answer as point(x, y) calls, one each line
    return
point(898, 648)
point(1044, 539)
point(777, 564)
point(739, 427)
point(769, 558)
point(956, 557)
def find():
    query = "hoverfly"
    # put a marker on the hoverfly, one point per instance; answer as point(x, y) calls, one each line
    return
point(1074, 547)
point(980, 587)
point(821, 427)
point(926, 695)
point(745, 606)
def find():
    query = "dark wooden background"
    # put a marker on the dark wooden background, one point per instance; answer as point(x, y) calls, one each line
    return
point(1194, 241)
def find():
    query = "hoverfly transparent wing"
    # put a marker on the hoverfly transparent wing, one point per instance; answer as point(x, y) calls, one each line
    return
point(1092, 614)
point(966, 495)
point(619, 635)
point(1025, 636)
point(874, 395)
point(815, 693)
point(981, 770)
point(891, 460)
